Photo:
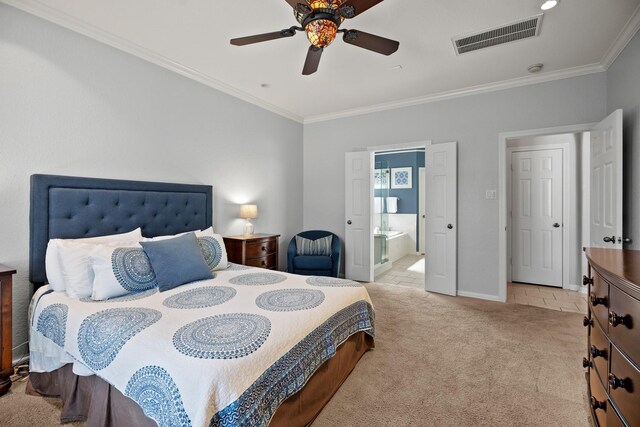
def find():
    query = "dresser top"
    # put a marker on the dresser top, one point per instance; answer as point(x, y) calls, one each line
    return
point(4, 270)
point(621, 263)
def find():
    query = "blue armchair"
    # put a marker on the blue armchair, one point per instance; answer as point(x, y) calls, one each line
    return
point(315, 265)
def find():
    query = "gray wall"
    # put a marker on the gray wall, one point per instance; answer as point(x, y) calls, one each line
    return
point(72, 106)
point(623, 91)
point(475, 122)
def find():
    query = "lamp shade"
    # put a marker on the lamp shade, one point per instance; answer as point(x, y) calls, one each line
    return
point(248, 211)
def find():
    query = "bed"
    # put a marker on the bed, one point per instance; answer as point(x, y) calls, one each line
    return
point(244, 347)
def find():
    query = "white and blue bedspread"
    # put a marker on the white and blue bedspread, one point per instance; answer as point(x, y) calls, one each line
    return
point(225, 351)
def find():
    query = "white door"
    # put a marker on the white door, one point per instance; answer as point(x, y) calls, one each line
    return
point(536, 211)
point(358, 234)
point(441, 166)
point(606, 183)
point(421, 210)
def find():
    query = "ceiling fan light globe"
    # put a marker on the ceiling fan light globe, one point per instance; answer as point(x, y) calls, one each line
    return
point(321, 32)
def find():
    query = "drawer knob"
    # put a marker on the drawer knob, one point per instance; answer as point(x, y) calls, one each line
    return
point(264, 262)
point(264, 248)
point(587, 280)
point(586, 363)
point(596, 404)
point(615, 319)
point(615, 382)
point(596, 300)
point(587, 322)
point(597, 353)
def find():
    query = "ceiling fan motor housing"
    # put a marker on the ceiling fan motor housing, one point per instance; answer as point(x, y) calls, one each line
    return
point(322, 23)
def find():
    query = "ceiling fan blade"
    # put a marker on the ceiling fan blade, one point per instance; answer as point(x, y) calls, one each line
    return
point(301, 6)
point(352, 8)
point(312, 61)
point(241, 41)
point(371, 42)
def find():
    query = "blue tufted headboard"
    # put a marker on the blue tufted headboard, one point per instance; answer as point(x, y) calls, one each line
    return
point(74, 207)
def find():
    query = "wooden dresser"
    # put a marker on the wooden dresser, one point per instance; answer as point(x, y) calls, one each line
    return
point(613, 346)
point(256, 250)
point(6, 367)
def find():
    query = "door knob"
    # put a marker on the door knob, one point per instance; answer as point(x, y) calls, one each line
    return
point(608, 239)
point(449, 226)
point(624, 240)
point(556, 225)
point(349, 222)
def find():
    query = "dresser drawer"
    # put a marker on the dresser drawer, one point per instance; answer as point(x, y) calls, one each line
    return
point(260, 249)
point(613, 420)
point(624, 315)
point(599, 352)
point(599, 404)
point(599, 301)
point(268, 261)
point(624, 387)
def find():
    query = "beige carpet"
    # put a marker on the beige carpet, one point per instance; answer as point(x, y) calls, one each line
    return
point(438, 361)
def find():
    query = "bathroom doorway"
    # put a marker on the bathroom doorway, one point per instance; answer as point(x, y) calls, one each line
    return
point(398, 223)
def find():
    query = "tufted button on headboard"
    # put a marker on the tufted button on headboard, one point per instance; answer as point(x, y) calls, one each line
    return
point(74, 207)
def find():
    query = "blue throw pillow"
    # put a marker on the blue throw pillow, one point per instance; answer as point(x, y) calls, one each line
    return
point(321, 246)
point(177, 261)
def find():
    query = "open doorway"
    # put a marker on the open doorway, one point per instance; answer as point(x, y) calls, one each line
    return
point(398, 216)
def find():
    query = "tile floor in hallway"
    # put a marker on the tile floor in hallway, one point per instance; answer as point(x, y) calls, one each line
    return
point(409, 271)
point(547, 297)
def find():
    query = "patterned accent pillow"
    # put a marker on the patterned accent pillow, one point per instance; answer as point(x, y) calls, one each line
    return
point(321, 246)
point(120, 271)
point(213, 249)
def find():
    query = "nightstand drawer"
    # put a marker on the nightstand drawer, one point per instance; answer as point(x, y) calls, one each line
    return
point(260, 249)
point(262, 262)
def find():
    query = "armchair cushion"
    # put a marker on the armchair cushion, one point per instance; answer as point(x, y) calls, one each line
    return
point(319, 246)
point(312, 262)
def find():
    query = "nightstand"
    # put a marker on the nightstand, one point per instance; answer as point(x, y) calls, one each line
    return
point(255, 250)
point(6, 368)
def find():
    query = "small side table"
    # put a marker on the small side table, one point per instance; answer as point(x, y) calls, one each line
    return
point(6, 368)
point(255, 250)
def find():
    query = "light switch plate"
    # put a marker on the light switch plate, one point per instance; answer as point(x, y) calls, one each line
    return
point(491, 194)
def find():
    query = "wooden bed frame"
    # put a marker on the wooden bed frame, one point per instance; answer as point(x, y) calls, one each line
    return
point(73, 207)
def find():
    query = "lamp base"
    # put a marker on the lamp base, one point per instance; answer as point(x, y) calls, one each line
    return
point(248, 228)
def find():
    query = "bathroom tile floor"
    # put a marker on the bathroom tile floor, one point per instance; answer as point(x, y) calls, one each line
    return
point(547, 297)
point(407, 271)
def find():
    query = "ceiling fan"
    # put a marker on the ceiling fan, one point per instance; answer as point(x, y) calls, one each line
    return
point(321, 20)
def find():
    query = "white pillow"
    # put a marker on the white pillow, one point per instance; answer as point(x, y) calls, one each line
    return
point(52, 264)
point(119, 271)
point(213, 250)
point(168, 236)
point(76, 266)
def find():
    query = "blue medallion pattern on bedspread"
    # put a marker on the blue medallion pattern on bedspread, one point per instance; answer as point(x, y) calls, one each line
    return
point(158, 396)
point(333, 282)
point(103, 334)
point(211, 251)
point(236, 267)
point(53, 323)
point(290, 299)
point(200, 297)
point(258, 279)
point(132, 269)
point(225, 336)
point(289, 374)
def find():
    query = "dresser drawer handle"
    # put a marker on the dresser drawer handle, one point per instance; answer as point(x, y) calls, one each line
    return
point(596, 300)
point(615, 319)
point(587, 280)
point(263, 262)
point(597, 353)
point(264, 249)
point(587, 322)
point(595, 404)
point(586, 363)
point(615, 382)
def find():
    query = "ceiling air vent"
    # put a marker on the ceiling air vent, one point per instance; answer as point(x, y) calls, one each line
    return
point(521, 29)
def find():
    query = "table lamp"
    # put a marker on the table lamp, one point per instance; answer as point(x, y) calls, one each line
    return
point(248, 212)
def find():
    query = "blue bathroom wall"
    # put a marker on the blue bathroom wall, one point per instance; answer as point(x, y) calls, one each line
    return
point(407, 197)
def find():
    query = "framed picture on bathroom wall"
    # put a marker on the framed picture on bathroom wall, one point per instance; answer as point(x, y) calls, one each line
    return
point(381, 179)
point(401, 177)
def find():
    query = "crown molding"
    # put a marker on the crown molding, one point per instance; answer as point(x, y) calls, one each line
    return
point(624, 37)
point(472, 90)
point(49, 14)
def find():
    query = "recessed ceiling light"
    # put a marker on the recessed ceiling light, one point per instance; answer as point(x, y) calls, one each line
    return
point(535, 68)
point(549, 4)
point(265, 85)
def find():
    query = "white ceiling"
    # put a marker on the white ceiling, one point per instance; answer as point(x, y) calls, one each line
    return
point(191, 37)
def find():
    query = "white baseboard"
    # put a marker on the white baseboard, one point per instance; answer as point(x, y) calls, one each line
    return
point(571, 287)
point(479, 296)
